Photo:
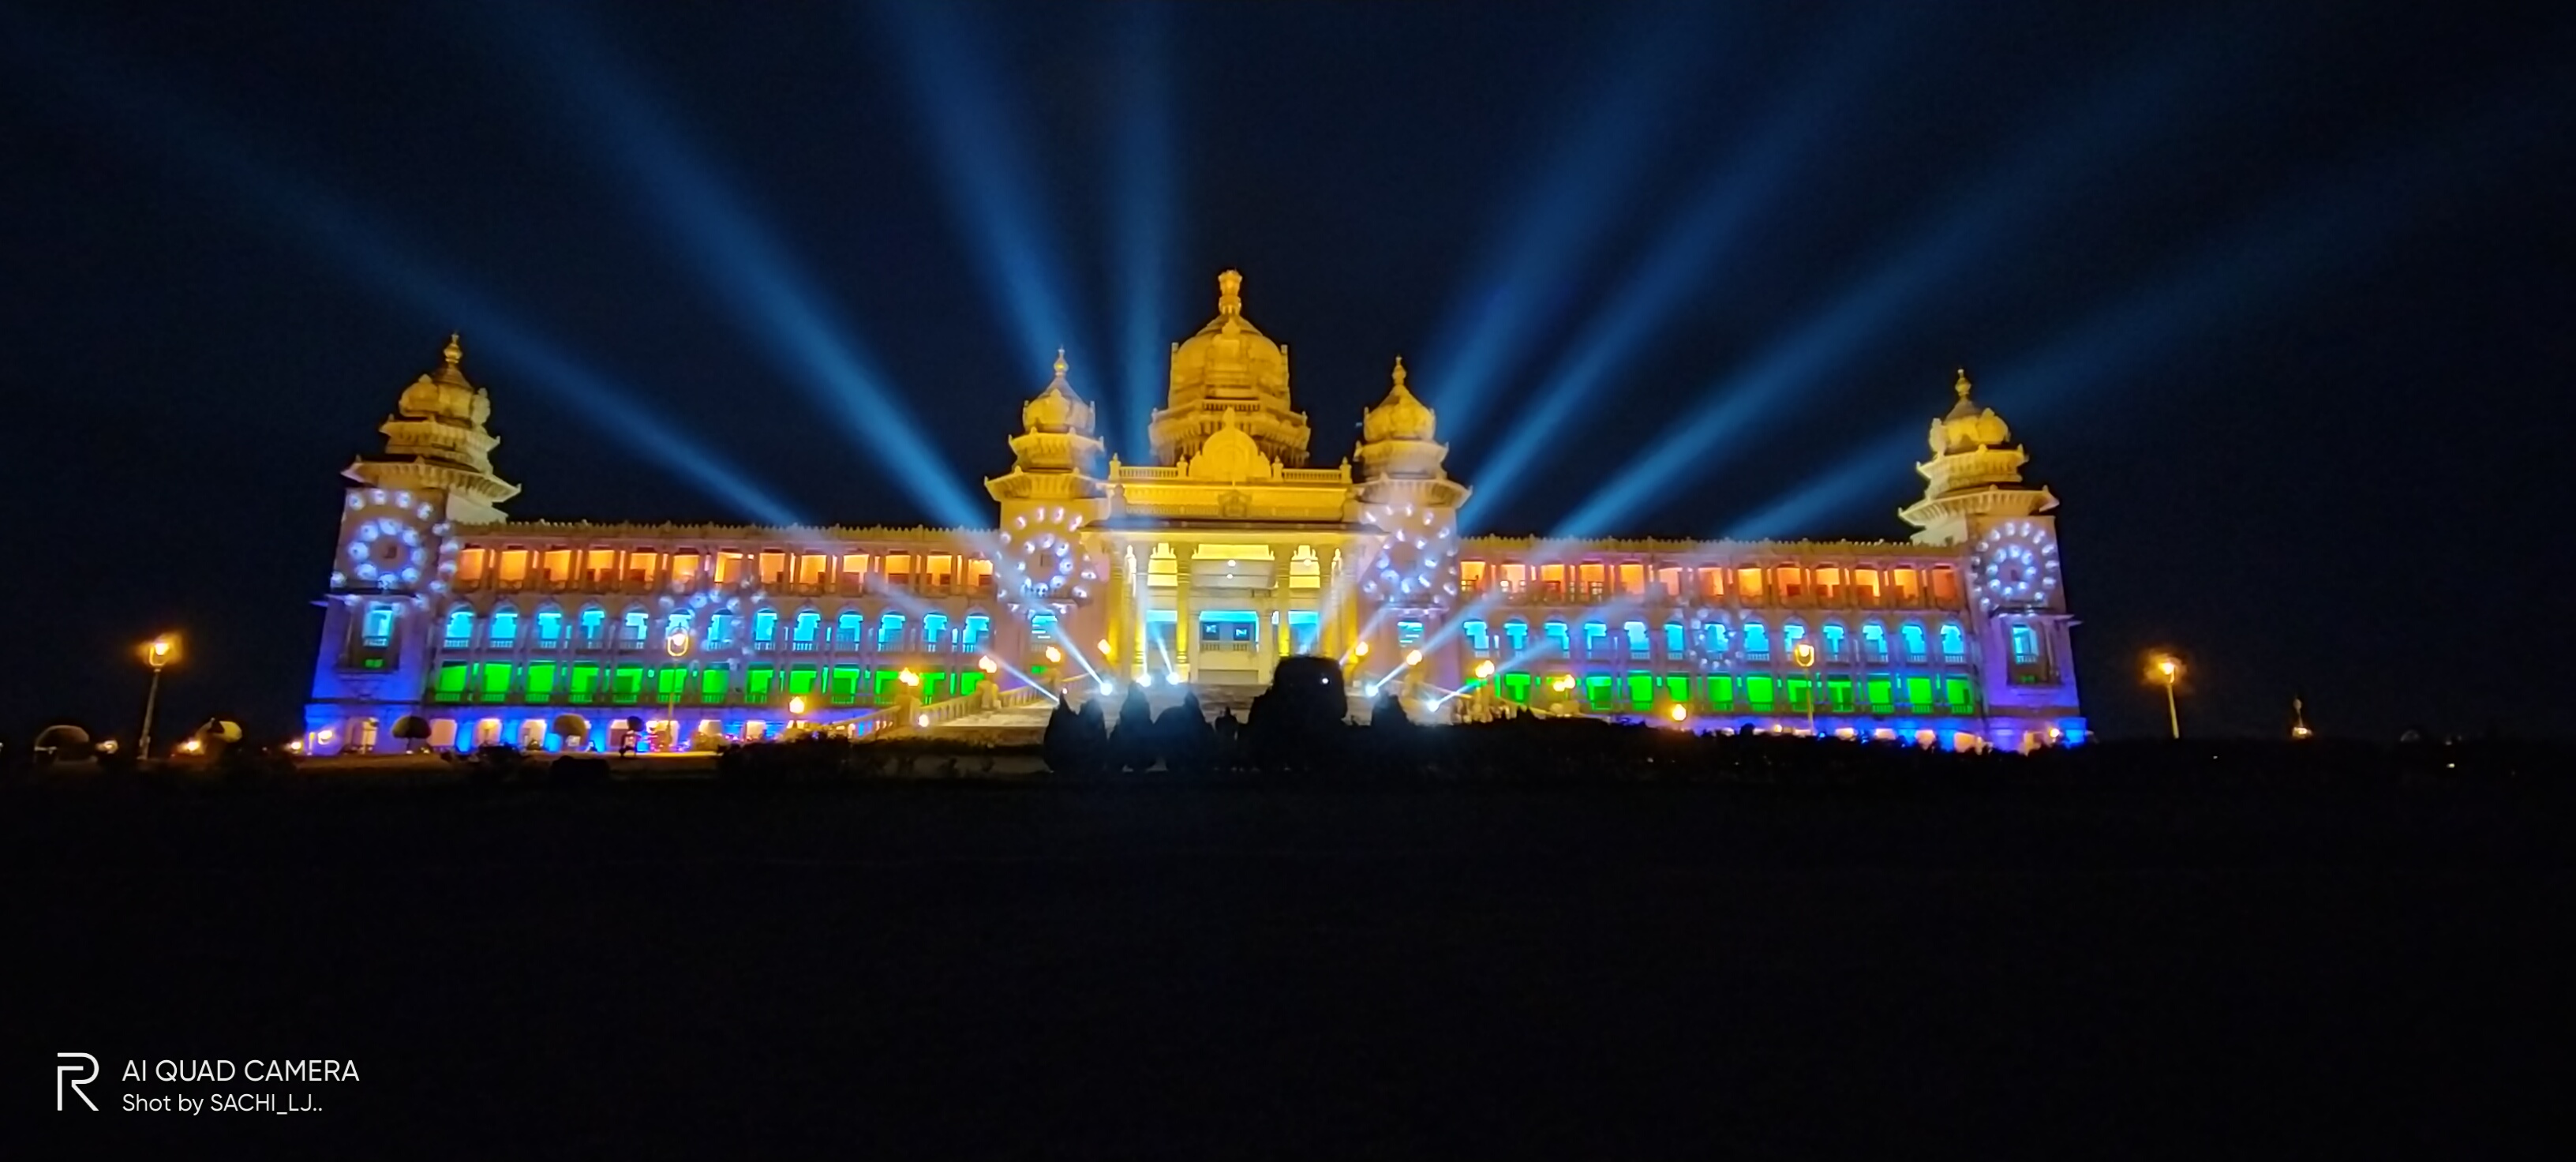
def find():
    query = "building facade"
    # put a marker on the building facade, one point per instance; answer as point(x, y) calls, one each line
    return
point(1224, 553)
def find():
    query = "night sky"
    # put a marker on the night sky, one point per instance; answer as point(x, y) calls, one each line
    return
point(2277, 296)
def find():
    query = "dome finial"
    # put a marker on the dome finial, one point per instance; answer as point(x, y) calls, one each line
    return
point(1059, 363)
point(1229, 293)
point(455, 348)
point(1962, 386)
point(1399, 371)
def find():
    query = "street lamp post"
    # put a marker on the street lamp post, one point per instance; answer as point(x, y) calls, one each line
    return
point(1804, 653)
point(2168, 671)
point(157, 653)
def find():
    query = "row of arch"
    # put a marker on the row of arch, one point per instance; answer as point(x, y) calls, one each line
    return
point(1716, 637)
point(591, 627)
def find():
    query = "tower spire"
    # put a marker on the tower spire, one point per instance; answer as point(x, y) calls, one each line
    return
point(1229, 293)
point(455, 351)
point(1059, 363)
point(1962, 386)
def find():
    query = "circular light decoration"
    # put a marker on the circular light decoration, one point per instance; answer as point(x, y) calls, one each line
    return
point(1415, 564)
point(1043, 548)
point(1697, 623)
point(386, 548)
point(2016, 565)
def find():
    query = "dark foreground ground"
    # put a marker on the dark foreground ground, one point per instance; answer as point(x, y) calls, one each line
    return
point(1160, 972)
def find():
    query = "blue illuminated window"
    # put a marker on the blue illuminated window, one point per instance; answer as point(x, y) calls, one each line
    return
point(2025, 645)
point(1635, 632)
point(1676, 640)
point(1516, 635)
point(1835, 642)
point(764, 626)
point(889, 633)
point(720, 628)
point(1915, 649)
point(1790, 635)
point(1873, 641)
point(1408, 633)
point(1556, 636)
point(676, 625)
point(1757, 642)
point(631, 627)
point(1954, 643)
point(1477, 639)
point(594, 622)
point(549, 626)
point(972, 632)
point(1596, 639)
point(934, 632)
point(851, 626)
point(1714, 635)
point(378, 629)
point(1042, 627)
point(460, 629)
point(505, 628)
point(809, 627)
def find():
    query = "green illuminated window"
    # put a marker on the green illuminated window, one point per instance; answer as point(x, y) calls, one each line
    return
point(1794, 690)
point(626, 685)
point(1757, 692)
point(966, 682)
point(1918, 693)
point(1963, 700)
point(452, 679)
point(845, 685)
point(541, 681)
point(496, 682)
point(755, 687)
point(1596, 691)
point(1882, 695)
point(1838, 694)
point(1721, 692)
point(800, 682)
point(1517, 687)
point(1677, 689)
point(668, 682)
point(1641, 690)
point(711, 686)
point(585, 683)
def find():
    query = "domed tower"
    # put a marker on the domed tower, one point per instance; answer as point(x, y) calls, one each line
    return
point(436, 443)
point(1974, 499)
point(1052, 494)
point(1406, 495)
point(1229, 369)
point(1974, 475)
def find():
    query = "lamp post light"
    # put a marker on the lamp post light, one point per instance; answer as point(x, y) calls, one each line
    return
point(1054, 655)
point(795, 712)
point(157, 653)
point(1804, 653)
point(2299, 719)
point(2168, 670)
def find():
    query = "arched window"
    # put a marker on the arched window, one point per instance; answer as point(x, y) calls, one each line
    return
point(720, 628)
point(934, 632)
point(1638, 644)
point(678, 624)
point(2025, 644)
point(1516, 635)
point(1478, 640)
point(550, 627)
point(1915, 648)
point(460, 627)
point(1558, 638)
point(1865, 586)
point(764, 627)
point(504, 633)
point(1792, 581)
point(809, 627)
point(889, 632)
point(973, 632)
point(1713, 633)
point(1873, 641)
point(378, 627)
point(1790, 635)
point(594, 626)
point(633, 626)
point(1945, 585)
point(846, 635)
point(1676, 640)
point(1954, 643)
point(1757, 642)
point(1596, 639)
point(1835, 643)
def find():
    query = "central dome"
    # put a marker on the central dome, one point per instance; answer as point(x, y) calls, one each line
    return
point(1229, 369)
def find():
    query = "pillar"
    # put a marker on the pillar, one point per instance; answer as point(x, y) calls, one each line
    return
point(1183, 631)
point(1114, 623)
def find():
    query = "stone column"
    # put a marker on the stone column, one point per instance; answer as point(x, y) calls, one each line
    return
point(1182, 628)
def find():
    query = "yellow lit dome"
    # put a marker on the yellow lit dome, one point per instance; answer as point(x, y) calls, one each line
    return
point(1968, 427)
point(1057, 409)
point(1229, 357)
point(445, 395)
point(1399, 416)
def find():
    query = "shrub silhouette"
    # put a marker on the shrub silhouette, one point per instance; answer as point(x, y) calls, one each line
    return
point(1184, 738)
point(1131, 746)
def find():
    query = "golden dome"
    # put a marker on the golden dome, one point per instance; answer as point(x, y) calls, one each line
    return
point(1967, 428)
point(1057, 409)
point(1229, 357)
point(445, 394)
point(1399, 416)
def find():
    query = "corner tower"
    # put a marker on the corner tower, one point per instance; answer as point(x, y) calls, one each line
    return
point(1051, 495)
point(1974, 475)
point(1229, 370)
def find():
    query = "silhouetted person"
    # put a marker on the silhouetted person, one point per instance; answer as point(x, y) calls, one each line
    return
point(1131, 746)
point(1094, 737)
point(1388, 712)
point(1062, 743)
point(1183, 736)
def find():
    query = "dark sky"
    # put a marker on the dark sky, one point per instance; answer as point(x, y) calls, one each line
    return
point(2277, 295)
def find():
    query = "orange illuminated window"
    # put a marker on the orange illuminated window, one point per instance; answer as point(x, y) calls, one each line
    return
point(1829, 583)
point(555, 564)
point(898, 567)
point(1669, 579)
point(979, 573)
point(1596, 579)
point(1907, 584)
point(685, 565)
point(1793, 582)
point(732, 566)
point(773, 567)
point(469, 566)
point(1471, 575)
point(811, 568)
point(1516, 576)
point(1748, 583)
point(1945, 585)
point(1865, 585)
point(1712, 581)
point(1632, 578)
point(939, 569)
point(599, 564)
point(514, 565)
point(854, 567)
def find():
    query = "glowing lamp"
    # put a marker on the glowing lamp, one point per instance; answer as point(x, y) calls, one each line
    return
point(1678, 713)
point(1360, 650)
point(922, 721)
point(987, 664)
point(908, 678)
point(1144, 681)
point(191, 746)
point(293, 746)
point(1054, 655)
point(1413, 657)
point(796, 705)
point(1105, 651)
point(1485, 669)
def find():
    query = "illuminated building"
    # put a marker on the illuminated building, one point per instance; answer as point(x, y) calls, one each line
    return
point(493, 629)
